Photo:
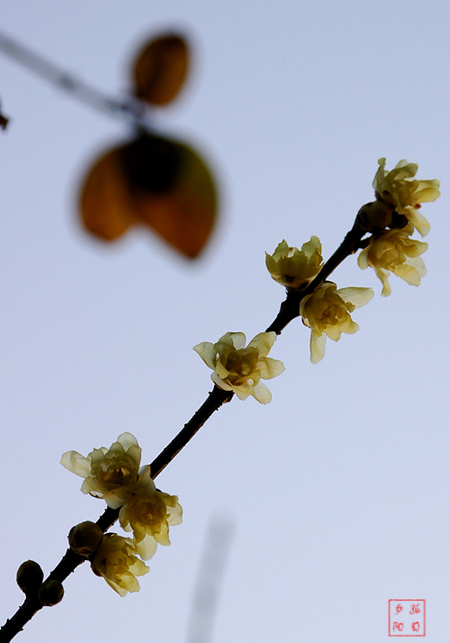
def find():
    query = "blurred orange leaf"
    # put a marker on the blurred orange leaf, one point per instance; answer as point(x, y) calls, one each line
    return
point(160, 69)
point(155, 182)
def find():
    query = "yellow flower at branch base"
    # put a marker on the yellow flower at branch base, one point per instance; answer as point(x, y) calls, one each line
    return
point(117, 562)
point(394, 251)
point(400, 189)
point(327, 312)
point(294, 268)
point(105, 471)
point(240, 368)
point(149, 513)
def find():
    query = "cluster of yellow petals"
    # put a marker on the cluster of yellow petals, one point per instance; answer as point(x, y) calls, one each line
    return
point(294, 268)
point(327, 312)
point(107, 472)
point(395, 252)
point(116, 561)
point(392, 250)
point(148, 513)
point(115, 475)
point(240, 368)
point(400, 189)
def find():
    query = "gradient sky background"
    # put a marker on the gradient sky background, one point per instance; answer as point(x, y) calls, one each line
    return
point(339, 490)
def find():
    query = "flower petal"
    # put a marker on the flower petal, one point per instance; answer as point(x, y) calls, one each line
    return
point(263, 342)
point(421, 224)
point(317, 344)
point(76, 463)
point(270, 368)
point(238, 340)
point(127, 440)
point(261, 393)
point(207, 353)
point(356, 296)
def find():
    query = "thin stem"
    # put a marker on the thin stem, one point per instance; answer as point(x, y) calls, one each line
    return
point(215, 400)
point(132, 109)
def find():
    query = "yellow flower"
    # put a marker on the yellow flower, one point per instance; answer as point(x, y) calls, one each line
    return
point(394, 251)
point(149, 513)
point(107, 470)
point(295, 268)
point(327, 312)
point(400, 189)
point(117, 562)
point(238, 368)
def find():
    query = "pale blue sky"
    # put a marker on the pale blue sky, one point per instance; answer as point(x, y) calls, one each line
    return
point(339, 489)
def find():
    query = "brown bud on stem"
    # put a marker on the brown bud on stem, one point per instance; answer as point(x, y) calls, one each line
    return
point(85, 538)
point(29, 576)
point(51, 593)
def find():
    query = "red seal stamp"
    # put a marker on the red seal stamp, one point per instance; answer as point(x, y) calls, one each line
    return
point(407, 617)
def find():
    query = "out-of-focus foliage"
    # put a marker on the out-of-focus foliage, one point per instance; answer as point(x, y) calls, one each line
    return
point(153, 180)
point(160, 69)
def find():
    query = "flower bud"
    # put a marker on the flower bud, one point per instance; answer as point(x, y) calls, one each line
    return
point(375, 216)
point(85, 538)
point(51, 593)
point(29, 576)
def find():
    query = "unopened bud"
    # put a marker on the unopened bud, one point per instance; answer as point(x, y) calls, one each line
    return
point(375, 216)
point(29, 576)
point(51, 593)
point(85, 538)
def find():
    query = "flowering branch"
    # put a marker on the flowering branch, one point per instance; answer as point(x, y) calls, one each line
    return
point(114, 474)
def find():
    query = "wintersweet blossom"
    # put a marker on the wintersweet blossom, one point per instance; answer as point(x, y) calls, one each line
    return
point(400, 189)
point(117, 562)
point(294, 268)
point(240, 368)
point(148, 513)
point(105, 471)
point(327, 312)
point(394, 251)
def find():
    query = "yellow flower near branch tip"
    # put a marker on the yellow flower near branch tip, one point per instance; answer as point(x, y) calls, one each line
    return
point(400, 189)
point(394, 251)
point(240, 368)
point(294, 268)
point(327, 312)
point(117, 562)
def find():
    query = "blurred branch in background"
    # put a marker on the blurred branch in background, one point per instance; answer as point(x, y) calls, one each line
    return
point(210, 580)
point(131, 109)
